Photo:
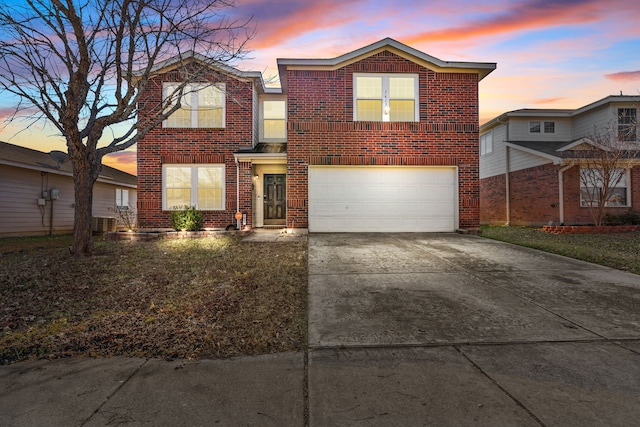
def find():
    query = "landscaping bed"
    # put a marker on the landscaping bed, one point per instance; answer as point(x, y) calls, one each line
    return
point(165, 298)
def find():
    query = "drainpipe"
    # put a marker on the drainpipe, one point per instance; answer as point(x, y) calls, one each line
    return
point(238, 224)
point(507, 186)
point(561, 190)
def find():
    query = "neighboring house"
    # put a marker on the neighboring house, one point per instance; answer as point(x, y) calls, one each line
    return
point(540, 149)
point(383, 138)
point(36, 193)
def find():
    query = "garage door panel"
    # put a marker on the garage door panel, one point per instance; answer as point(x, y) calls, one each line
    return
point(355, 199)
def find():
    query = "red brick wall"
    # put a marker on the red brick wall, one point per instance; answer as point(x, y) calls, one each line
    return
point(534, 195)
point(576, 214)
point(493, 209)
point(321, 129)
point(194, 146)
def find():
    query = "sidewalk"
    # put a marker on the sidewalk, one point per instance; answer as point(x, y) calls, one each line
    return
point(438, 330)
point(249, 391)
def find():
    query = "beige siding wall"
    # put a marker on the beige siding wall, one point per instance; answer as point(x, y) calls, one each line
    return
point(519, 160)
point(601, 118)
point(519, 130)
point(495, 163)
point(256, 116)
point(19, 211)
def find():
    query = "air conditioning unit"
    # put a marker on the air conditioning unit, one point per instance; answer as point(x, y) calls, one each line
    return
point(103, 224)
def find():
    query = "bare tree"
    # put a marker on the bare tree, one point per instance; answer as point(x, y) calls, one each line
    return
point(603, 162)
point(82, 64)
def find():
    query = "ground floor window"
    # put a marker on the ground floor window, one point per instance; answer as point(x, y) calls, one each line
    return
point(201, 186)
point(122, 199)
point(592, 187)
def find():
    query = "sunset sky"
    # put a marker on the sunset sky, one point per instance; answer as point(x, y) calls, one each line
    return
point(549, 54)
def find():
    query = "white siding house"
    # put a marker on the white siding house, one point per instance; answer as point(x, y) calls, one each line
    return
point(36, 193)
point(528, 177)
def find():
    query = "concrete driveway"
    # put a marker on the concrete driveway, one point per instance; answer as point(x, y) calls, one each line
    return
point(448, 329)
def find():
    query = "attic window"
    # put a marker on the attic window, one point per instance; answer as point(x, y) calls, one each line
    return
point(542, 127)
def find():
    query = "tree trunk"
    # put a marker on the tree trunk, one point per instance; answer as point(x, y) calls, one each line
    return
point(83, 189)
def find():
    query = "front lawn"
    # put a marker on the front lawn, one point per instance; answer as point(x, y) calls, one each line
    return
point(621, 251)
point(191, 298)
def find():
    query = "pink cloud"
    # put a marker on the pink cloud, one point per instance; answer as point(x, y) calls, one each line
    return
point(281, 21)
point(123, 160)
point(528, 15)
point(548, 100)
point(624, 76)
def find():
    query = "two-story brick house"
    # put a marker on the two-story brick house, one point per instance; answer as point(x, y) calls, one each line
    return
point(383, 138)
point(531, 161)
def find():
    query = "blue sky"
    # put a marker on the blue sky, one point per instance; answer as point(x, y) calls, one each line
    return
point(550, 54)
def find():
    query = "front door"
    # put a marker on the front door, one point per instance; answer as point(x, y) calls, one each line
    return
point(275, 199)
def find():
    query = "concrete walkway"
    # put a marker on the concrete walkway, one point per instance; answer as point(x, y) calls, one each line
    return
point(404, 330)
point(453, 330)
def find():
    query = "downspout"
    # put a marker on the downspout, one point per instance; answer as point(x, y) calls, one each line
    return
point(507, 183)
point(561, 190)
point(507, 186)
point(238, 224)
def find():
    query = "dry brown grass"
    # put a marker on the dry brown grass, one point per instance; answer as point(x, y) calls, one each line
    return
point(200, 298)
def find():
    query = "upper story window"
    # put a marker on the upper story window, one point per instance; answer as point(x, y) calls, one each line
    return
point(486, 143)
point(385, 97)
point(202, 105)
point(274, 120)
point(627, 124)
point(200, 185)
point(542, 127)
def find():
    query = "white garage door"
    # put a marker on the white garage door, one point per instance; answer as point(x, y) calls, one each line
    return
point(382, 199)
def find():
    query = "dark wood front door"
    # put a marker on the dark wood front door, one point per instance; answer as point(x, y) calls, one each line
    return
point(275, 199)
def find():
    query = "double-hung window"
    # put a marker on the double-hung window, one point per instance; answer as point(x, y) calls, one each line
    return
point(201, 186)
point(627, 124)
point(202, 105)
point(592, 183)
point(386, 97)
point(122, 199)
point(274, 120)
point(486, 143)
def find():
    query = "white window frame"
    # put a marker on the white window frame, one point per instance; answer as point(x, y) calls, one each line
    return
point(263, 120)
point(386, 93)
point(194, 184)
point(191, 98)
point(627, 124)
point(122, 199)
point(627, 186)
point(486, 143)
point(542, 124)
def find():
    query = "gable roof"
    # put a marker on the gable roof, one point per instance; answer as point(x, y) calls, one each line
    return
point(559, 113)
point(185, 58)
point(22, 157)
point(400, 49)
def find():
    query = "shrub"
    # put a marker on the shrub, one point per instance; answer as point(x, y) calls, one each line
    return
point(128, 217)
point(187, 218)
point(630, 217)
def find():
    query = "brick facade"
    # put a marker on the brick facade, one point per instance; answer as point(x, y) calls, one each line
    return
point(196, 146)
point(321, 129)
point(535, 200)
point(534, 195)
point(493, 207)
